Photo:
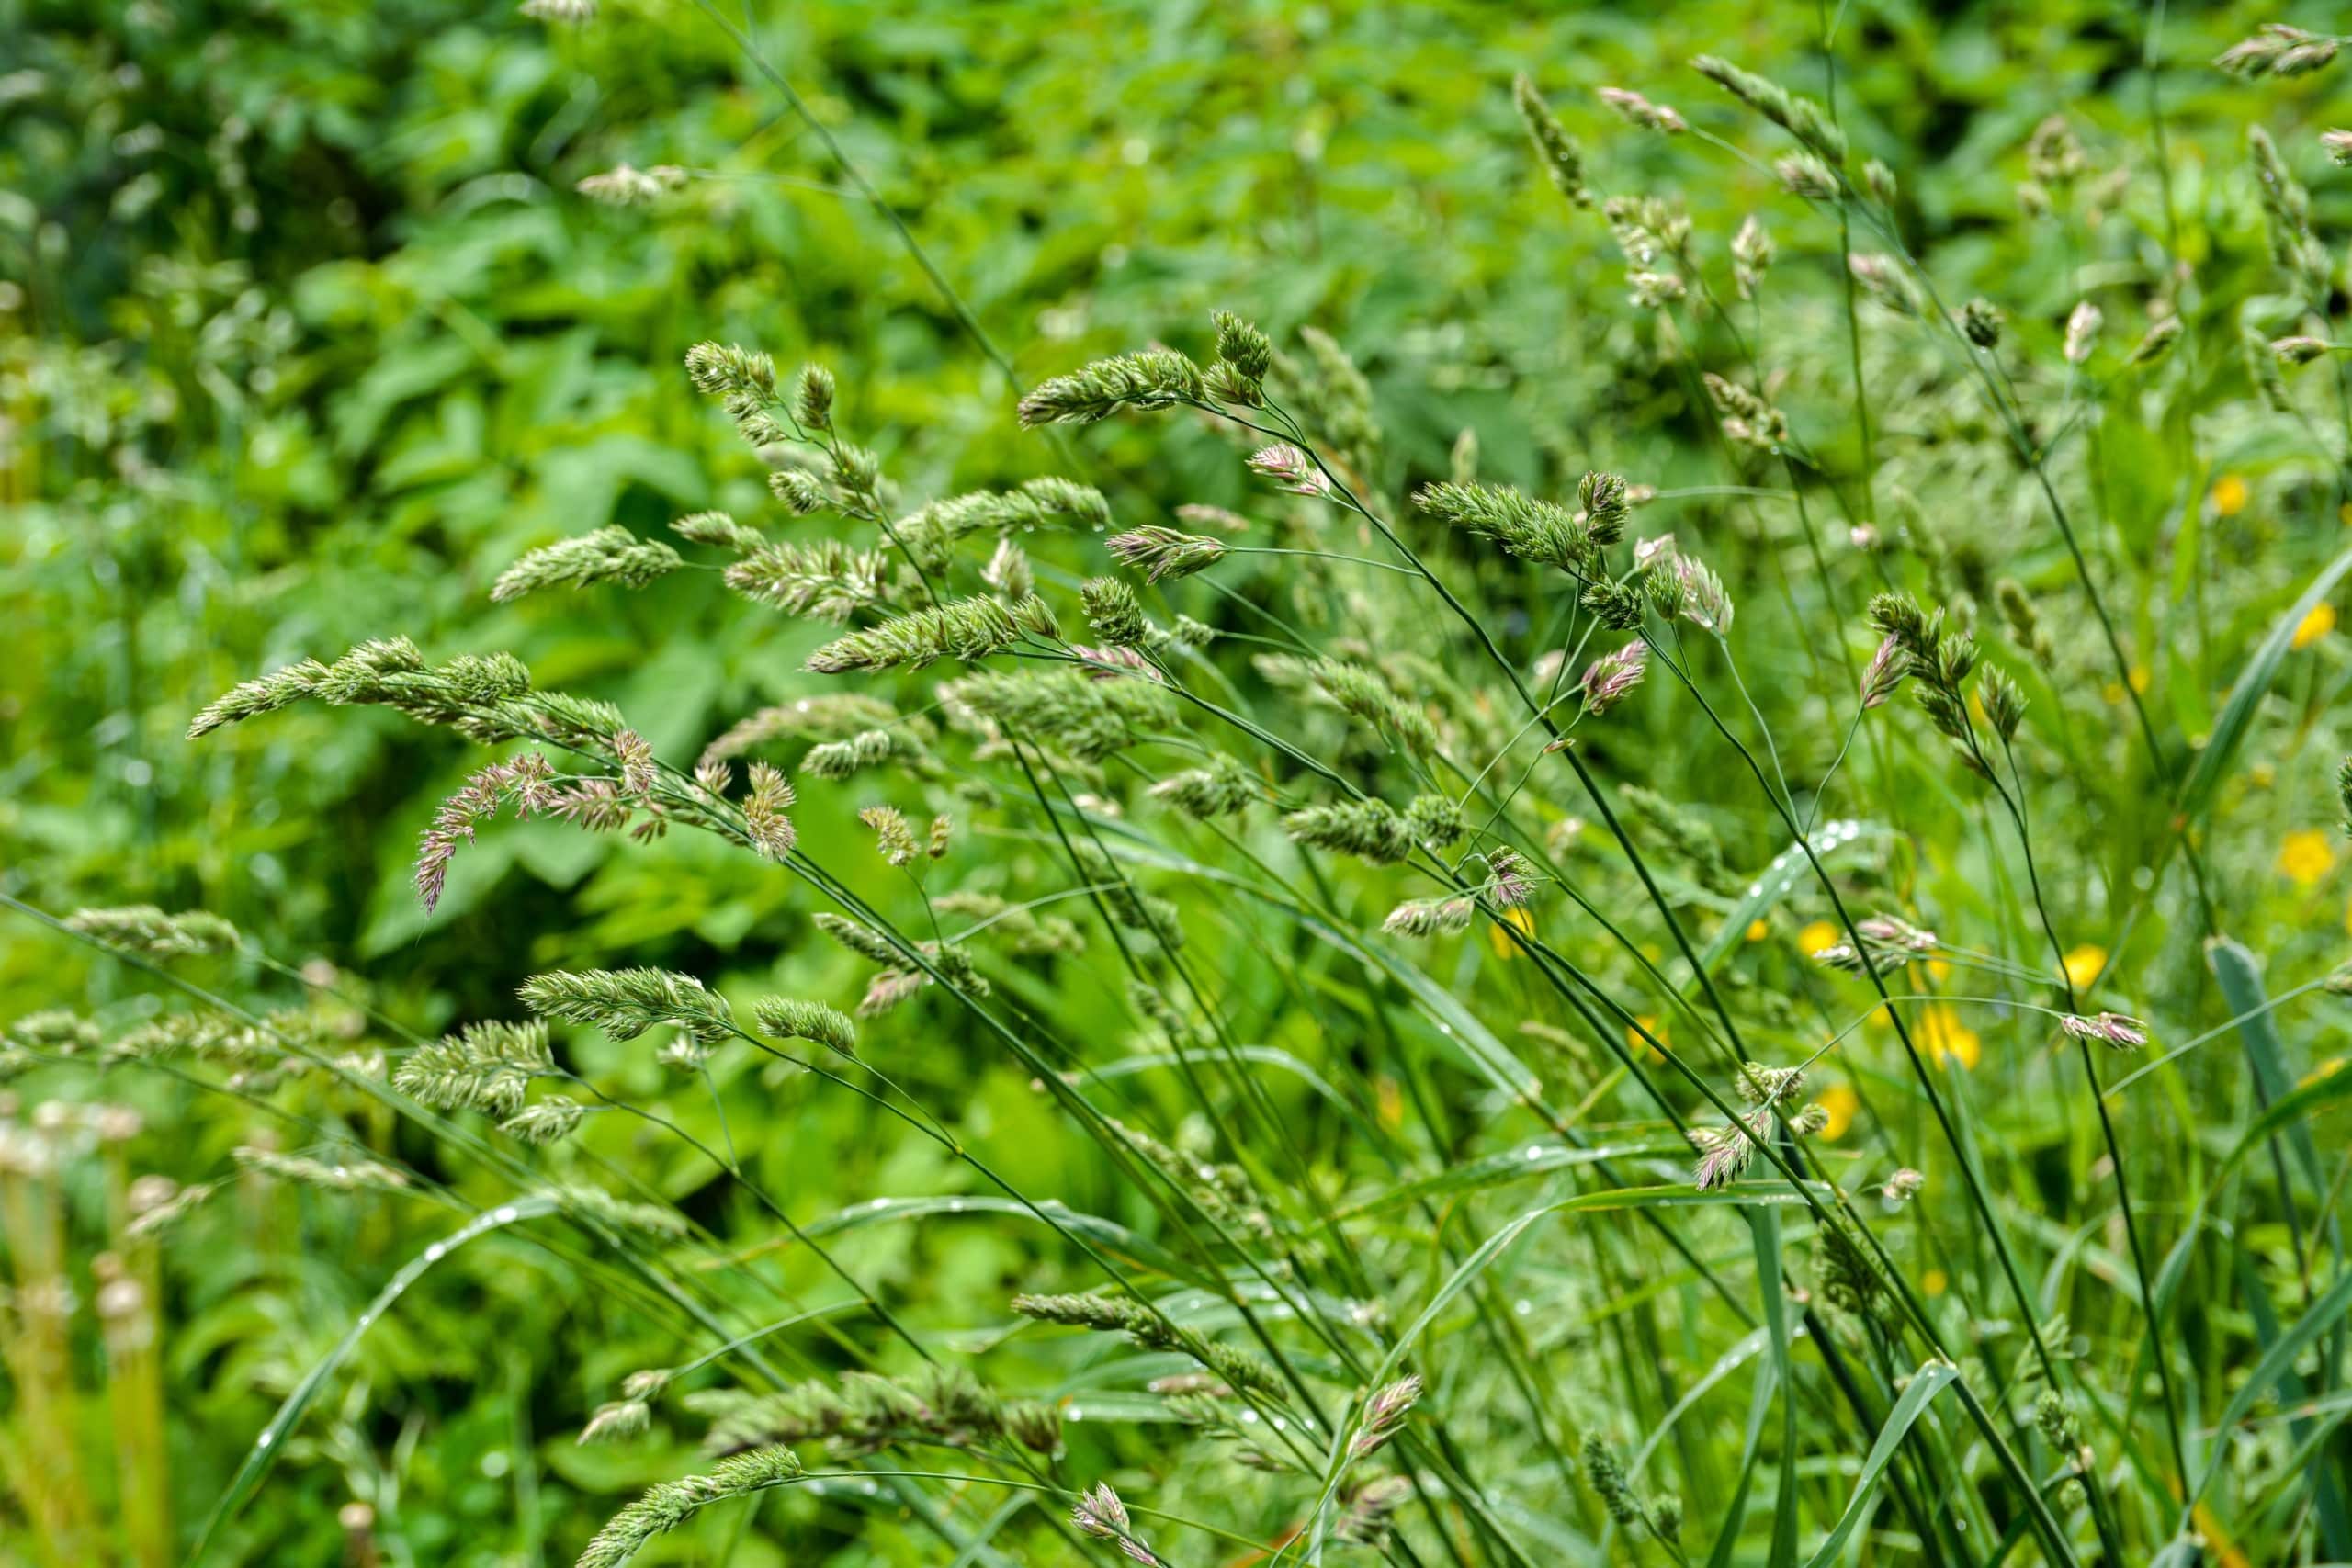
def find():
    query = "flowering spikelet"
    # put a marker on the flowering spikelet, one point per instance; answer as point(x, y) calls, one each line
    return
point(2082, 332)
point(1891, 942)
point(1088, 713)
point(829, 579)
point(1164, 552)
point(624, 1003)
point(1706, 604)
point(1370, 829)
point(1609, 678)
point(358, 1175)
point(2276, 49)
point(764, 822)
point(1799, 115)
point(2109, 1028)
point(622, 186)
point(2296, 350)
point(1224, 786)
point(1368, 1517)
point(891, 834)
point(279, 689)
point(2157, 340)
point(1113, 610)
point(866, 748)
point(1747, 418)
point(1751, 256)
point(1290, 469)
point(669, 1504)
point(1903, 1186)
point(545, 1121)
point(616, 1421)
point(788, 1018)
point(1149, 1330)
point(524, 780)
point(858, 937)
point(1725, 1151)
point(1885, 672)
point(1605, 1474)
point(863, 1414)
point(1244, 355)
point(1367, 695)
point(484, 1066)
point(1384, 1412)
point(1635, 109)
point(2338, 145)
point(1153, 378)
point(961, 628)
point(1562, 158)
point(1430, 916)
point(1507, 880)
point(1801, 174)
point(608, 555)
point(143, 928)
point(1530, 529)
point(1100, 1514)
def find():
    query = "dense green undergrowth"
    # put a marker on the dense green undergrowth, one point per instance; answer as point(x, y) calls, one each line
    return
point(1452, 787)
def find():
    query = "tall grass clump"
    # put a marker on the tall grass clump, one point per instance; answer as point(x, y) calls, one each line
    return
point(1753, 1000)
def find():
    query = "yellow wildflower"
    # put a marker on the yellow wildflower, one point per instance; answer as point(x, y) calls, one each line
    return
point(1816, 937)
point(1758, 930)
point(1933, 1282)
point(2229, 495)
point(2085, 965)
point(2316, 626)
point(1520, 918)
point(1946, 1037)
point(1838, 1102)
point(2304, 856)
point(1646, 1022)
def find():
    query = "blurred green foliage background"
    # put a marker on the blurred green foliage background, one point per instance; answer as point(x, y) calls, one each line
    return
point(304, 336)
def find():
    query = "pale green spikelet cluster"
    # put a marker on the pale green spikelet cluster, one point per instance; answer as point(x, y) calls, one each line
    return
point(1244, 355)
point(1113, 613)
point(967, 629)
point(594, 1206)
point(829, 579)
point(788, 1018)
point(1087, 715)
point(1797, 115)
point(1015, 928)
point(149, 931)
point(863, 1415)
point(1535, 530)
point(1151, 1331)
point(484, 1066)
point(669, 1504)
point(1153, 378)
point(1374, 830)
point(1163, 552)
point(1224, 786)
point(356, 1174)
point(608, 555)
point(1562, 158)
point(2278, 49)
point(1941, 661)
point(1368, 696)
point(624, 1003)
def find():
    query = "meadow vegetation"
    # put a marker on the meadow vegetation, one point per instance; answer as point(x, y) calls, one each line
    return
point(1220, 785)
